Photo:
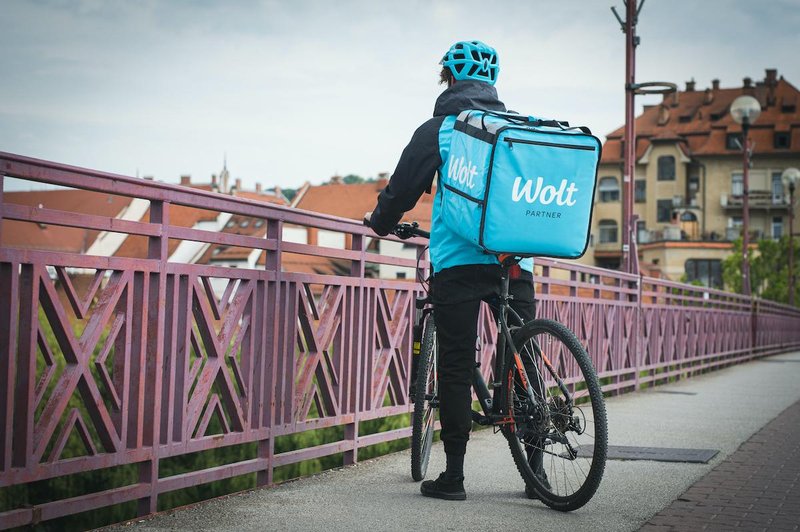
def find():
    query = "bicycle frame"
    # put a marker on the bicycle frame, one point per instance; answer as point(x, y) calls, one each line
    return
point(492, 402)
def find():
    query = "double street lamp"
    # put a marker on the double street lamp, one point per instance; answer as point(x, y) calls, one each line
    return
point(745, 110)
point(790, 178)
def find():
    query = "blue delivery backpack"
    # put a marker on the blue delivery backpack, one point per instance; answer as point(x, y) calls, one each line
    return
point(515, 184)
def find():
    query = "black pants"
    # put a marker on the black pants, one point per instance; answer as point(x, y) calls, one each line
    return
point(457, 296)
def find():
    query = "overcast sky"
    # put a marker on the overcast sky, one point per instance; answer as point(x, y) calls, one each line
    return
point(296, 91)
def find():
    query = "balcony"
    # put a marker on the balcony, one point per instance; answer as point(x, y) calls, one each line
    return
point(763, 200)
point(671, 232)
point(732, 233)
point(683, 202)
point(607, 249)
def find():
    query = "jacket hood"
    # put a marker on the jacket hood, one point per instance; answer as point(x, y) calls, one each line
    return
point(467, 94)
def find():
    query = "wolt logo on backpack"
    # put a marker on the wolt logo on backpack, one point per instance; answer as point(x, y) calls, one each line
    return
point(491, 197)
point(462, 172)
point(545, 195)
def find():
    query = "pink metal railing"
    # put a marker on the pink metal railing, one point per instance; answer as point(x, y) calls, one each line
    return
point(149, 362)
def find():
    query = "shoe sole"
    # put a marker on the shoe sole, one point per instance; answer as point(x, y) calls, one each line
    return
point(445, 496)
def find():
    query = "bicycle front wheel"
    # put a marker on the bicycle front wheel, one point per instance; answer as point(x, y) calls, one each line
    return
point(559, 437)
point(425, 401)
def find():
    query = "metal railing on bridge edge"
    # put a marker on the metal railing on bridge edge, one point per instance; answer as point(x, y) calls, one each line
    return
point(166, 358)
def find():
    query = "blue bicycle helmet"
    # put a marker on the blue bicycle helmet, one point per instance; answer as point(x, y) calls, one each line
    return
point(472, 60)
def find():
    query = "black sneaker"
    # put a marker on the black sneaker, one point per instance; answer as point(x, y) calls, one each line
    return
point(444, 488)
point(542, 476)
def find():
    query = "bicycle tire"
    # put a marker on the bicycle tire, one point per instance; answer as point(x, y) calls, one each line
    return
point(552, 483)
point(427, 386)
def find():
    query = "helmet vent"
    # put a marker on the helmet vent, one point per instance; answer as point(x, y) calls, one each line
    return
point(472, 60)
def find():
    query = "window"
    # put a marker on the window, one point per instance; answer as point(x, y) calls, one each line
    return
point(664, 210)
point(244, 223)
point(777, 227)
point(400, 275)
point(707, 271)
point(692, 188)
point(258, 223)
point(640, 191)
point(782, 140)
point(737, 184)
point(666, 168)
point(642, 235)
point(608, 231)
point(733, 141)
point(231, 223)
point(777, 188)
point(608, 189)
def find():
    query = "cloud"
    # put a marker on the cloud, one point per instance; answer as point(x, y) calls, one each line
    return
point(299, 90)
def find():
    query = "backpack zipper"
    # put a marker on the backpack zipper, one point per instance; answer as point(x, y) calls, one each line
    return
point(511, 142)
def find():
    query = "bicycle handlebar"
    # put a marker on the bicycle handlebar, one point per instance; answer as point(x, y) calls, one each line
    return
point(406, 230)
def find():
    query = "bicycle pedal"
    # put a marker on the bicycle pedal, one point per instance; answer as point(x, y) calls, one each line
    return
point(480, 419)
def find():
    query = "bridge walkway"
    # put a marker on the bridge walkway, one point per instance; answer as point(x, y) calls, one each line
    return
point(720, 410)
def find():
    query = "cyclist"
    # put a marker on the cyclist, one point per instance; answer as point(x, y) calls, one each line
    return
point(465, 275)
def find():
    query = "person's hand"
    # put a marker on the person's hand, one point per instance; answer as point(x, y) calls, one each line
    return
point(367, 218)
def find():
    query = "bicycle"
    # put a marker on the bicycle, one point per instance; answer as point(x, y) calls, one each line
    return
point(544, 398)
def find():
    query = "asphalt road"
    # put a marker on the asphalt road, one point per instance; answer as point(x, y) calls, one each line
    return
point(729, 406)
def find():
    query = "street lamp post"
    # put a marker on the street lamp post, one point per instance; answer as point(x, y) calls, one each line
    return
point(745, 110)
point(630, 254)
point(790, 178)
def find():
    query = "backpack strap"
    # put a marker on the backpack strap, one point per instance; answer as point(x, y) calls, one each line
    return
point(479, 121)
point(563, 125)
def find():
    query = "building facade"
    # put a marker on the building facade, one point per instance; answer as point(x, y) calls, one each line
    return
point(688, 179)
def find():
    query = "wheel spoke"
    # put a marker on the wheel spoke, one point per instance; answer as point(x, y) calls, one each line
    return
point(567, 399)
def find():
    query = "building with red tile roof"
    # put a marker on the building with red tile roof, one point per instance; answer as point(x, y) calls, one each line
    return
point(353, 201)
point(688, 178)
point(102, 243)
point(46, 237)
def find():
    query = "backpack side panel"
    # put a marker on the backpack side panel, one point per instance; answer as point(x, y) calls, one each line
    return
point(462, 180)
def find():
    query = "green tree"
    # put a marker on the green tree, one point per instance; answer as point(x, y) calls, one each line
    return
point(352, 179)
point(769, 269)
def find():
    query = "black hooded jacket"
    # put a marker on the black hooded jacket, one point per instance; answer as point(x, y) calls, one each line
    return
point(421, 159)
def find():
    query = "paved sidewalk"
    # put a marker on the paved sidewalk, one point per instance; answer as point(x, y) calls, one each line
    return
point(755, 488)
point(720, 410)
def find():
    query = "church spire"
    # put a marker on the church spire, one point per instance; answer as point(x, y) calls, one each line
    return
point(224, 176)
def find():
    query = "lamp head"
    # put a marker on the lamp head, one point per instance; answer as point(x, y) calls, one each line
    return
point(745, 110)
point(790, 177)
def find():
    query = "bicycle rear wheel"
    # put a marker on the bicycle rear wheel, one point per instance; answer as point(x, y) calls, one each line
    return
point(559, 441)
point(426, 401)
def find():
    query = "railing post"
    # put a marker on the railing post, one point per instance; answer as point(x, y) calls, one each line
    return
point(639, 328)
point(25, 371)
point(2, 180)
point(545, 287)
point(357, 269)
point(273, 300)
point(8, 334)
point(753, 326)
point(157, 249)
